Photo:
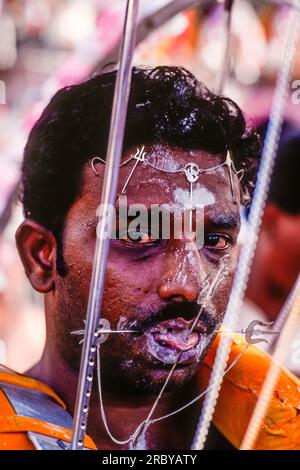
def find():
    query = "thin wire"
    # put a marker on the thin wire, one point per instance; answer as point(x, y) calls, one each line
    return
point(228, 162)
point(129, 177)
point(255, 217)
point(102, 410)
point(198, 397)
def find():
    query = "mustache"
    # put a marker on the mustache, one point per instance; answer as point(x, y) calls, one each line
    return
point(173, 310)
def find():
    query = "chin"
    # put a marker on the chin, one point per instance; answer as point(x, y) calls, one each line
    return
point(180, 377)
point(149, 382)
point(145, 368)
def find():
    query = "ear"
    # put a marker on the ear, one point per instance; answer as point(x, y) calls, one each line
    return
point(37, 250)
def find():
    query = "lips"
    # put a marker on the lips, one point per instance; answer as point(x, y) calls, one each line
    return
point(181, 340)
point(171, 340)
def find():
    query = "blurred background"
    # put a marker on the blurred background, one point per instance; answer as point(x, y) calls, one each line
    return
point(48, 44)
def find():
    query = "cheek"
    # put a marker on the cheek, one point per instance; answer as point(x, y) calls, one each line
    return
point(128, 286)
point(80, 269)
point(78, 249)
point(74, 288)
point(222, 296)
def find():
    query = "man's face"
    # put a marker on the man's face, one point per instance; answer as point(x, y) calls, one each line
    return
point(152, 285)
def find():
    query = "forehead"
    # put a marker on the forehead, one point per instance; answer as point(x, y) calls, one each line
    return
point(163, 183)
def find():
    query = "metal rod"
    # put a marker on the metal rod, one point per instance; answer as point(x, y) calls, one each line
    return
point(113, 158)
point(225, 68)
point(151, 23)
point(255, 218)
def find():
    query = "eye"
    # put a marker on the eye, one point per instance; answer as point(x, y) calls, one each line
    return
point(217, 241)
point(138, 237)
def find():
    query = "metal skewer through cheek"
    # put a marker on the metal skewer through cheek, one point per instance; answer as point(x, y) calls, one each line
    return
point(114, 153)
point(255, 217)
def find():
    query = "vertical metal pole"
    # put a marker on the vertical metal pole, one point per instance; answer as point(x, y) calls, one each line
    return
point(225, 68)
point(113, 158)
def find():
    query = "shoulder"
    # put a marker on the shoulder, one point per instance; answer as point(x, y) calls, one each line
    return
point(239, 393)
point(32, 415)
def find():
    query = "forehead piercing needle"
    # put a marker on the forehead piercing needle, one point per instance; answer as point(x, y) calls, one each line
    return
point(139, 156)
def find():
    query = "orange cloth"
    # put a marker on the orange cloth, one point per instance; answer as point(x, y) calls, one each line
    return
point(240, 391)
point(14, 428)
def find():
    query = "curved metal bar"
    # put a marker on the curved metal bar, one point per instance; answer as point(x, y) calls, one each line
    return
point(114, 153)
point(255, 217)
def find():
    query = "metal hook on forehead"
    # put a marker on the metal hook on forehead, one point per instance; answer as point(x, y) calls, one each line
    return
point(230, 165)
point(139, 156)
point(240, 174)
point(93, 162)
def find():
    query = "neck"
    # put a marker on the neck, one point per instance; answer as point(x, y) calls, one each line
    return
point(124, 412)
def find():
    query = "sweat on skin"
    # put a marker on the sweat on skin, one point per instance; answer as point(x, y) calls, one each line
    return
point(143, 289)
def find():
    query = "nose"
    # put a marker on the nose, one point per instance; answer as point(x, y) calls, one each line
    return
point(183, 276)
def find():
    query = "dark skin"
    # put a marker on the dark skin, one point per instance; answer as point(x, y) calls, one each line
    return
point(145, 283)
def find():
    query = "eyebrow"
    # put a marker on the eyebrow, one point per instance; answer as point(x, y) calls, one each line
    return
point(225, 220)
point(229, 220)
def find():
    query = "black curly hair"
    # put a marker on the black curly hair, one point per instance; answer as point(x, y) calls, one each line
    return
point(166, 105)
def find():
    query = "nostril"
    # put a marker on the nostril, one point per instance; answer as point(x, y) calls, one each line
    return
point(178, 292)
